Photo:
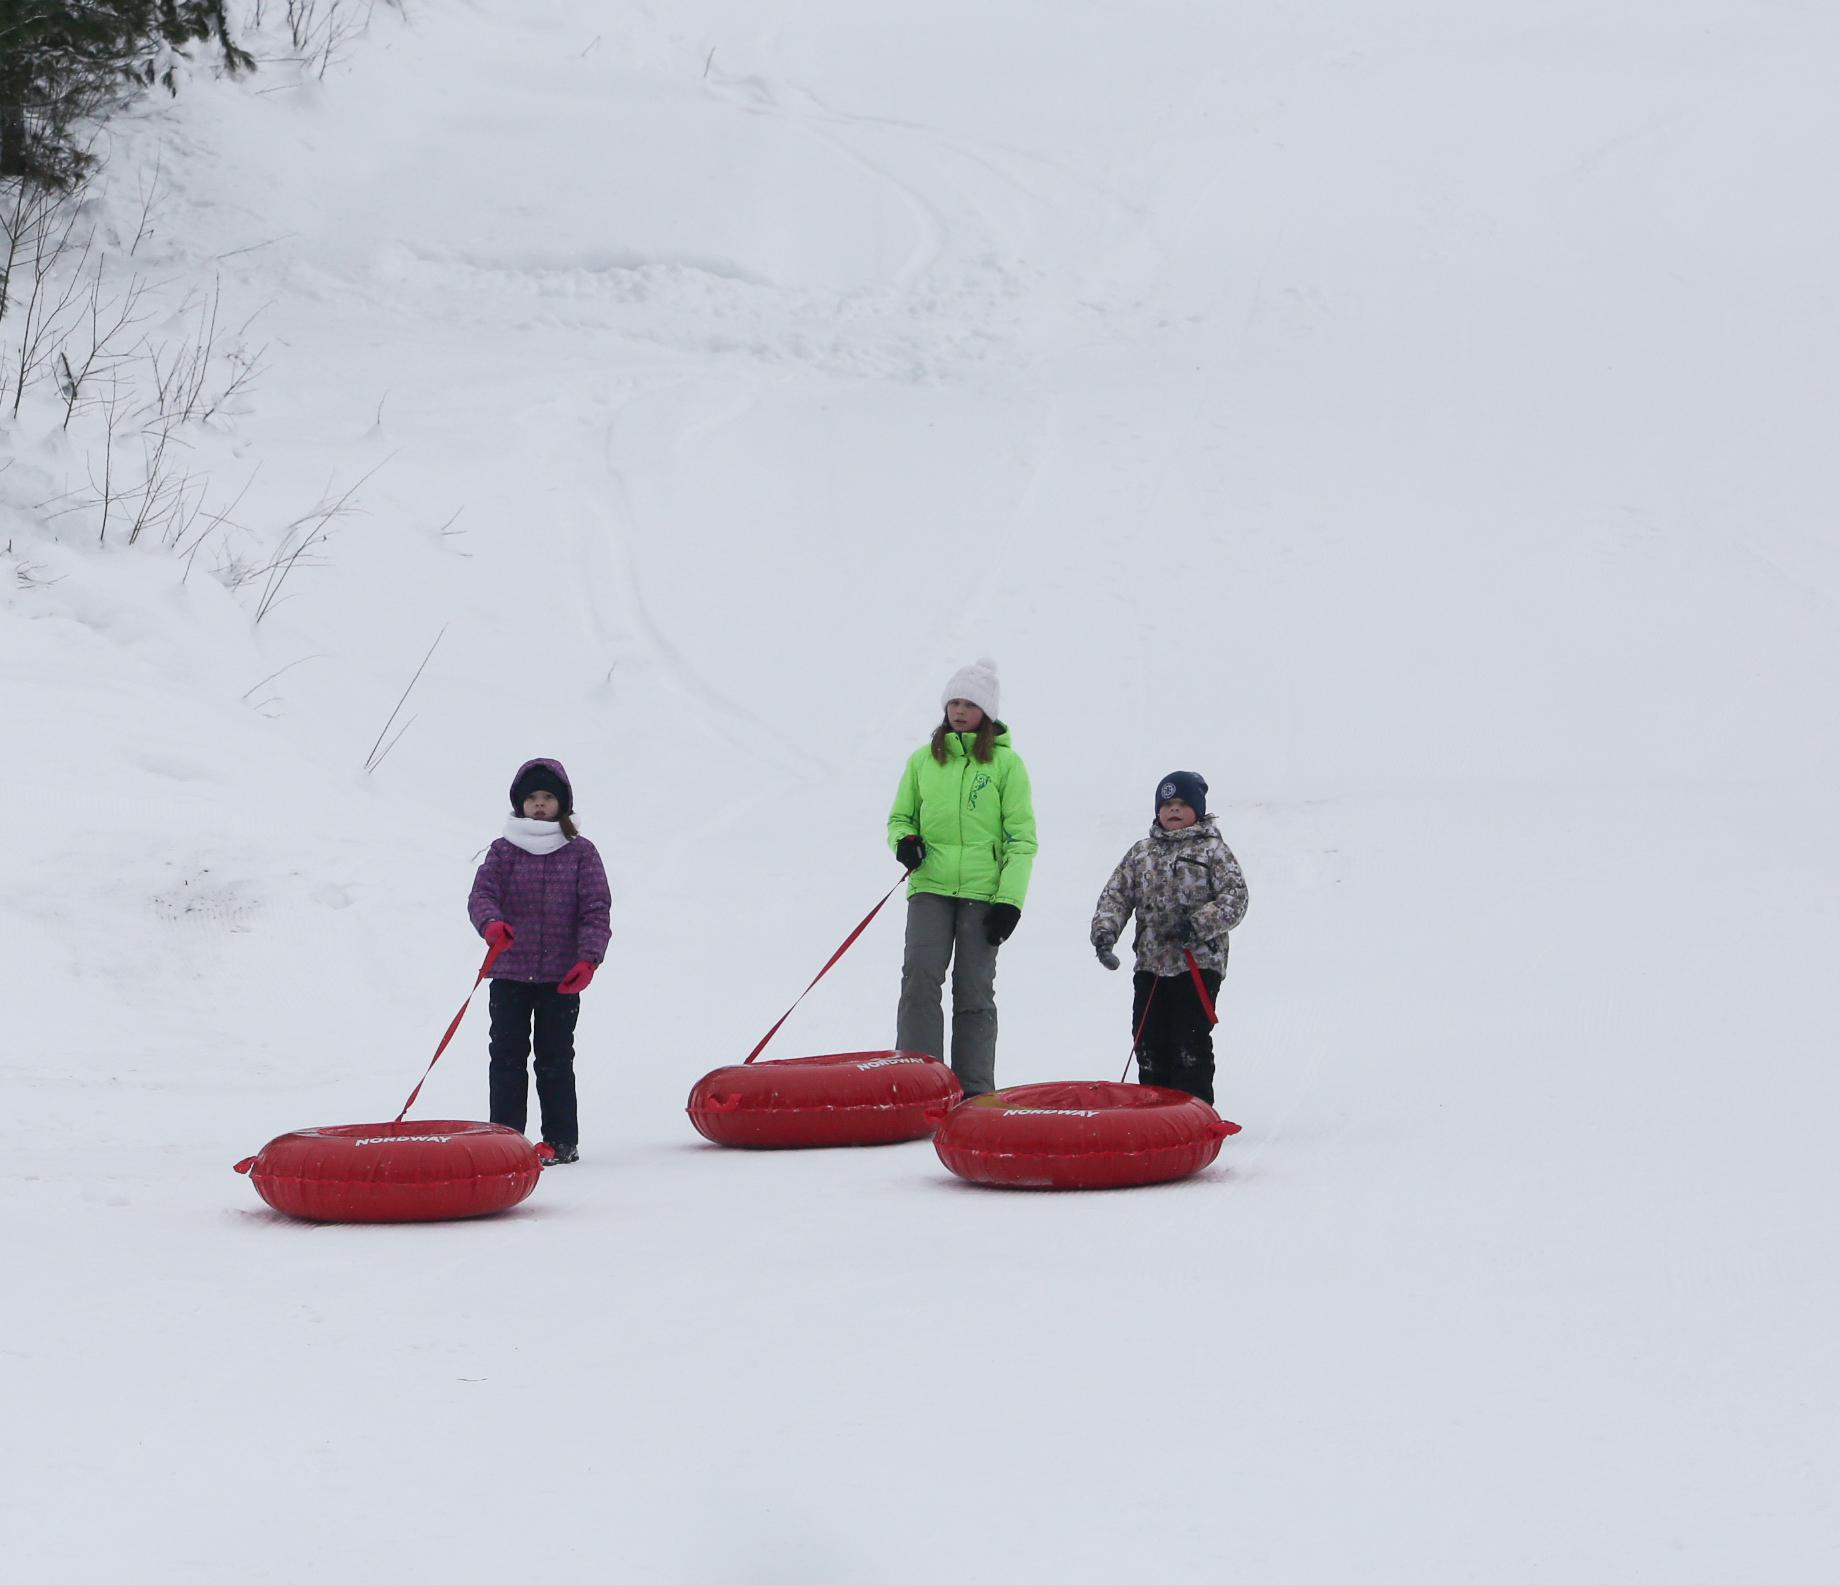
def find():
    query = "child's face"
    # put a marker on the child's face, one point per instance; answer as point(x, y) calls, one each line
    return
point(1175, 815)
point(542, 806)
point(963, 716)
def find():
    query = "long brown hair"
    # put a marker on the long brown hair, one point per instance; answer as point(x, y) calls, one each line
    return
point(982, 747)
point(568, 827)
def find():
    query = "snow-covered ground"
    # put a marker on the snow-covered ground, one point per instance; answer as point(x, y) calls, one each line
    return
point(1417, 418)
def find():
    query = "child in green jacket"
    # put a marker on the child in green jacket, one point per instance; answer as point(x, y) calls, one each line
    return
point(964, 827)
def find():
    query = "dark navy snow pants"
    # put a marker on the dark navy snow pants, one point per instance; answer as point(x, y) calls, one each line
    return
point(518, 1010)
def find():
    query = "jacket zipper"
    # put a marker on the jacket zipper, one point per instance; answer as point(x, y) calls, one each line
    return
point(963, 771)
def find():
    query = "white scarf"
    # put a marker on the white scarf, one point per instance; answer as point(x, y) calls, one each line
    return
point(534, 836)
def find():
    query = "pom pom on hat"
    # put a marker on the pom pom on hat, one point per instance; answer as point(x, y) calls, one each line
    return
point(976, 682)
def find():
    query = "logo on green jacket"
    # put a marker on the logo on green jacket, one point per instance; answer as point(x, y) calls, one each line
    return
point(977, 787)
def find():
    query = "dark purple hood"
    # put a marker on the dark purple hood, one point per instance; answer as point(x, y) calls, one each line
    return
point(554, 767)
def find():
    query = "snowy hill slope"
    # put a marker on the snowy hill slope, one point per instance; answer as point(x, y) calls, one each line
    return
point(1414, 422)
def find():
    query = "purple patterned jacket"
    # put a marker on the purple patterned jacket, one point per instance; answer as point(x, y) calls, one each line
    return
point(556, 904)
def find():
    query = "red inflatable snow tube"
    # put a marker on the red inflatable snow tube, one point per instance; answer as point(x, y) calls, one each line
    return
point(1080, 1136)
point(849, 1098)
point(395, 1172)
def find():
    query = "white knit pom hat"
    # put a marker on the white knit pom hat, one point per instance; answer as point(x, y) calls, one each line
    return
point(976, 682)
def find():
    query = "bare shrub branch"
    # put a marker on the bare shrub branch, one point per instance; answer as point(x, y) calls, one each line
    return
point(36, 279)
point(108, 319)
point(302, 535)
point(375, 758)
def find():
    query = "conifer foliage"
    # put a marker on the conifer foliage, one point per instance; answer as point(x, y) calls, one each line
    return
point(64, 60)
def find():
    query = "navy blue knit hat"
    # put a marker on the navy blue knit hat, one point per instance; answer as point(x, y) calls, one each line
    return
point(1190, 786)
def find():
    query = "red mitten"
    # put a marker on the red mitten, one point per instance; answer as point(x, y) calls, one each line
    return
point(499, 934)
point(576, 980)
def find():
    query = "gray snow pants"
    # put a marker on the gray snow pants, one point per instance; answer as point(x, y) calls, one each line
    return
point(943, 930)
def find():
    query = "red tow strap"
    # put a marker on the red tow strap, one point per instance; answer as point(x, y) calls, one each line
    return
point(1136, 1038)
point(1201, 990)
point(492, 953)
point(848, 942)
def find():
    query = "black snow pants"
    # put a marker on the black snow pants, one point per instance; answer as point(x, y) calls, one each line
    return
point(516, 1008)
point(1176, 1048)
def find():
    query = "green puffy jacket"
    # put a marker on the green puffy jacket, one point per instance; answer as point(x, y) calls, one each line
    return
point(977, 821)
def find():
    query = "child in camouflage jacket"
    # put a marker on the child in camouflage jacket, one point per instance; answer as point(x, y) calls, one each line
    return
point(1185, 886)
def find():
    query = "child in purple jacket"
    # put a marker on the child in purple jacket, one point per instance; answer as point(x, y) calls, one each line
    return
point(542, 892)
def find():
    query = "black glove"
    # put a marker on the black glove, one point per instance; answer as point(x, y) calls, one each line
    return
point(1106, 955)
point(1186, 933)
point(911, 851)
point(1000, 923)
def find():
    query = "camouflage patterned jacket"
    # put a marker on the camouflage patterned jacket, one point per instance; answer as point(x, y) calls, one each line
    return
point(1169, 877)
